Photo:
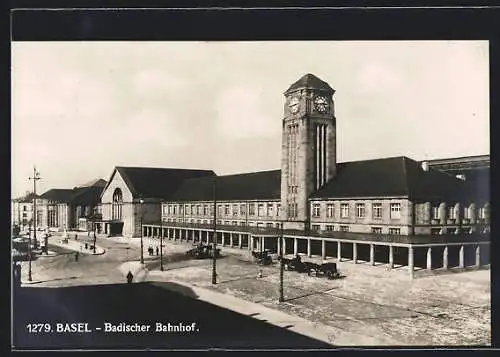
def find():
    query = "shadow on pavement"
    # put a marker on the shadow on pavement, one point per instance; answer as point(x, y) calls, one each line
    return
point(163, 303)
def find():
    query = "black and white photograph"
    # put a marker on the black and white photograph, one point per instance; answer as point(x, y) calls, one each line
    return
point(250, 194)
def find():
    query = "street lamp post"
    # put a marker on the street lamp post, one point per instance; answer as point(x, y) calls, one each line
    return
point(214, 258)
point(35, 178)
point(282, 238)
point(29, 251)
point(142, 233)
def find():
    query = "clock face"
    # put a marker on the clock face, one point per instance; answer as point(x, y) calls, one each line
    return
point(321, 104)
point(294, 105)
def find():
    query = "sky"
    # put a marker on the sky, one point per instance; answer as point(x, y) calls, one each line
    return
point(81, 108)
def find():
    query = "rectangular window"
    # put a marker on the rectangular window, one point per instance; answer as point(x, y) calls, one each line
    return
point(377, 230)
point(25, 208)
point(395, 210)
point(251, 209)
point(211, 209)
point(191, 211)
point(219, 221)
point(242, 209)
point(315, 227)
point(269, 209)
point(452, 214)
point(198, 210)
point(181, 209)
point(394, 231)
point(344, 210)
point(219, 210)
point(344, 228)
point(278, 209)
point(316, 210)
point(205, 210)
point(330, 228)
point(226, 210)
point(481, 213)
point(377, 210)
point(175, 209)
point(451, 231)
point(466, 212)
point(360, 210)
point(435, 212)
point(330, 210)
point(235, 210)
point(269, 225)
point(235, 223)
point(261, 209)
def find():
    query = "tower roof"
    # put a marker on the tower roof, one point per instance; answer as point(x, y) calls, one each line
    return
point(310, 81)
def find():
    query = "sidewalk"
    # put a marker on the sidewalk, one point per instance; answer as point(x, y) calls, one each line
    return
point(75, 245)
point(329, 334)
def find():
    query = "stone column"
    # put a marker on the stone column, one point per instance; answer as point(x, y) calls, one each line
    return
point(309, 248)
point(223, 239)
point(263, 243)
point(372, 254)
point(240, 240)
point(174, 234)
point(323, 249)
point(295, 246)
point(445, 257)
point(461, 257)
point(339, 251)
point(284, 245)
point(478, 256)
point(231, 240)
point(458, 219)
point(429, 258)
point(391, 257)
point(355, 253)
point(250, 242)
point(410, 261)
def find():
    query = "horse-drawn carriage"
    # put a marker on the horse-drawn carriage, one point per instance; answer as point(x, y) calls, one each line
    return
point(262, 258)
point(203, 251)
point(326, 269)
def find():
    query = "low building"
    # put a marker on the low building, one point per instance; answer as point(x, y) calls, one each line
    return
point(22, 210)
point(69, 209)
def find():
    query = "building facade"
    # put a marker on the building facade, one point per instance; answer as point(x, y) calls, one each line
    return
point(22, 211)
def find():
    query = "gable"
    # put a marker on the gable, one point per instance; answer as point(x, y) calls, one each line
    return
point(116, 181)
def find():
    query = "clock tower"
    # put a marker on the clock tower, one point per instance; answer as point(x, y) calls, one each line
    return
point(308, 147)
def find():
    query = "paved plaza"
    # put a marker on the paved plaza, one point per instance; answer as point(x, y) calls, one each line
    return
point(368, 306)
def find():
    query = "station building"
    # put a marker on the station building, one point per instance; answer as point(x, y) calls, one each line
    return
point(389, 209)
point(393, 210)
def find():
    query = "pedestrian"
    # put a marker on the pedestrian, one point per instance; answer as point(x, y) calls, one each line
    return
point(157, 251)
point(76, 236)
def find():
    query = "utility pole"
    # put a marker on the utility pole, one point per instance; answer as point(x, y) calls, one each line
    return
point(282, 238)
point(35, 178)
point(214, 247)
point(94, 229)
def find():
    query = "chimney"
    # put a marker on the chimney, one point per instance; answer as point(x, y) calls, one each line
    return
point(425, 166)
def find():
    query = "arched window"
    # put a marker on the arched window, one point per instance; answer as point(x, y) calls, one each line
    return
point(117, 204)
